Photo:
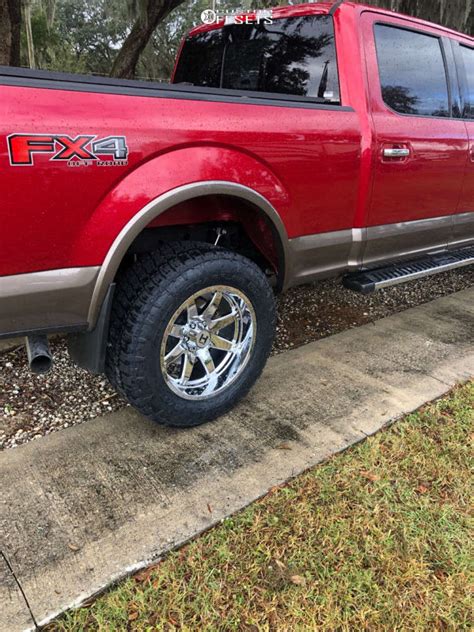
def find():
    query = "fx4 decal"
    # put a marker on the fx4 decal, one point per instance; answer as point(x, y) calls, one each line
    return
point(83, 150)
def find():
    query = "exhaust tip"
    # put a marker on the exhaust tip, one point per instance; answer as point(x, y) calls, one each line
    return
point(39, 355)
point(41, 364)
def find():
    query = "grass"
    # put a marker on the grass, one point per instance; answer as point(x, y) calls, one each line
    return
point(377, 538)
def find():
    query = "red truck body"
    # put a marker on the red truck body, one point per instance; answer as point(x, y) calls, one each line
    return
point(318, 167)
point(87, 165)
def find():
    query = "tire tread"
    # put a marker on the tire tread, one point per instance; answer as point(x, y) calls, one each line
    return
point(155, 274)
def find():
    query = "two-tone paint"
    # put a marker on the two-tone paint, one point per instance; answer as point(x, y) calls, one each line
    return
point(308, 180)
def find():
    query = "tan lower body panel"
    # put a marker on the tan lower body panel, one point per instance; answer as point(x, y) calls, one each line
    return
point(324, 255)
point(51, 300)
point(463, 230)
point(58, 300)
point(392, 241)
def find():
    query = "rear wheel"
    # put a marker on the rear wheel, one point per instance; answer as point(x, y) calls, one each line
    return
point(194, 336)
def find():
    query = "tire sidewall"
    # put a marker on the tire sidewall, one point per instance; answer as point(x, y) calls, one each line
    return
point(159, 304)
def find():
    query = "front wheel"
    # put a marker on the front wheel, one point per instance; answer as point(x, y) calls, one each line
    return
point(196, 337)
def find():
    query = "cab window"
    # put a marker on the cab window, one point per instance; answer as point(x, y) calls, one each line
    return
point(292, 56)
point(467, 56)
point(412, 72)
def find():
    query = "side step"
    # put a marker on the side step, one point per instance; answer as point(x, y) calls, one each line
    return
point(369, 280)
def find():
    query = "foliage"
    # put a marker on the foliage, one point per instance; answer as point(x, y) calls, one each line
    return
point(376, 538)
point(86, 35)
point(157, 60)
point(94, 31)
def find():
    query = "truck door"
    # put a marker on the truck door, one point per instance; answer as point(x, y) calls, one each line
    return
point(463, 225)
point(420, 139)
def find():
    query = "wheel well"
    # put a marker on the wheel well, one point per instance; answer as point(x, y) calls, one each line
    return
point(231, 222)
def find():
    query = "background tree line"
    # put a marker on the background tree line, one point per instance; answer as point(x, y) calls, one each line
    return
point(140, 38)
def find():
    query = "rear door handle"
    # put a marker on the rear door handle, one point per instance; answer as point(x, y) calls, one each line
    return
point(396, 152)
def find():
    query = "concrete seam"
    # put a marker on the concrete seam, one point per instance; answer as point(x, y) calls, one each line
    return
point(433, 377)
point(10, 568)
point(420, 371)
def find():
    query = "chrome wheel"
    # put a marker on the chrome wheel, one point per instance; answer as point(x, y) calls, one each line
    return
point(208, 342)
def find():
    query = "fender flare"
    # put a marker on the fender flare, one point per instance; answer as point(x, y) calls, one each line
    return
point(162, 203)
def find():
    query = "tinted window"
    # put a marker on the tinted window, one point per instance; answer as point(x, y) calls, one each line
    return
point(290, 56)
point(468, 60)
point(200, 60)
point(411, 69)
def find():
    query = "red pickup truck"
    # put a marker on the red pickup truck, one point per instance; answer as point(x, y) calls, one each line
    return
point(153, 223)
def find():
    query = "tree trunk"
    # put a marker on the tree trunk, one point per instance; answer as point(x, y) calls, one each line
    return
point(29, 35)
point(10, 26)
point(50, 13)
point(154, 12)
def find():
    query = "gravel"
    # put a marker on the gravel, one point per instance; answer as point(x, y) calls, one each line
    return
point(310, 312)
point(32, 406)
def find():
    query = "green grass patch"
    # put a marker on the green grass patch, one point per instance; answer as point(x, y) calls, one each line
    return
point(377, 538)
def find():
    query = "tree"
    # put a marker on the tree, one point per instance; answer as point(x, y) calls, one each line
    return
point(456, 14)
point(91, 33)
point(100, 36)
point(10, 30)
point(158, 58)
point(30, 45)
point(149, 14)
point(50, 9)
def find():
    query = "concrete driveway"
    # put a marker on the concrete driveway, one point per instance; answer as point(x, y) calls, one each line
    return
point(87, 505)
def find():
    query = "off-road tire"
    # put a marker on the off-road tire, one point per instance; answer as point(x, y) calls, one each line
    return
point(147, 296)
point(129, 284)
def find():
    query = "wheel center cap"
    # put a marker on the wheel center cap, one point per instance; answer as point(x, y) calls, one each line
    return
point(202, 339)
point(197, 333)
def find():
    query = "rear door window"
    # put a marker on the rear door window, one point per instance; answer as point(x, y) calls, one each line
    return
point(293, 56)
point(467, 55)
point(412, 72)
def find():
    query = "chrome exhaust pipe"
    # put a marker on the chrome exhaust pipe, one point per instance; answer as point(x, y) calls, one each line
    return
point(39, 355)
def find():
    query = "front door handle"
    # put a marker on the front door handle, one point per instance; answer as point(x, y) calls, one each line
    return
point(396, 152)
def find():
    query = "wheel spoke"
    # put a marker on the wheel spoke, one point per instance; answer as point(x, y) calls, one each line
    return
point(224, 321)
point(175, 331)
point(211, 373)
point(220, 343)
point(192, 311)
point(208, 342)
point(187, 369)
point(175, 353)
point(206, 361)
point(213, 306)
